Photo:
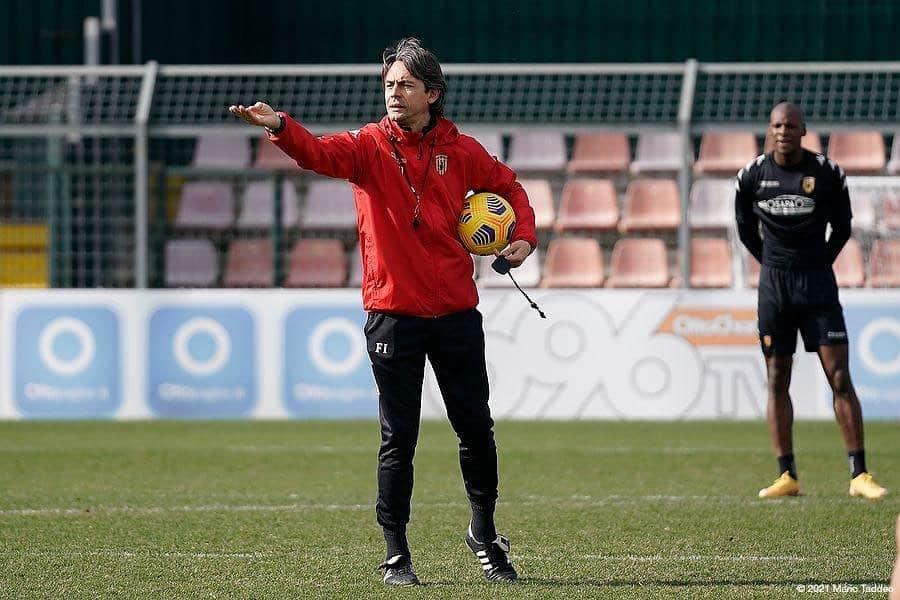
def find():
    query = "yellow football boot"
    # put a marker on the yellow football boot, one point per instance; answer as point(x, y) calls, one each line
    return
point(785, 485)
point(865, 485)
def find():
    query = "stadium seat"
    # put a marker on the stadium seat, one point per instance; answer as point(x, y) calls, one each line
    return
point(811, 141)
point(857, 152)
point(751, 270)
point(863, 201)
point(329, 205)
point(190, 263)
point(657, 152)
point(541, 198)
point(651, 205)
point(638, 263)
point(712, 204)
point(600, 153)
point(710, 263)
point(893, 166)
point(527, 275)
point(222, 151)
point(573, 262)
point(491, 139)
point(317, 263)
point(588, 205)
point(24, 269)
point(848, 268)
point(270, 156)
point(884, 263)
point(542, 151)
point(206, 205)
point(249, 264)
point(725, 153)
point(258, 205)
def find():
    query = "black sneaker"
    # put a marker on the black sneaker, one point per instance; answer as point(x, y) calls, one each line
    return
point(398, 570)
point(494, 557)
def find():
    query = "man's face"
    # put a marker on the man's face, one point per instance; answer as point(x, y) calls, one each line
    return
point(405, 97)
point(786, 128)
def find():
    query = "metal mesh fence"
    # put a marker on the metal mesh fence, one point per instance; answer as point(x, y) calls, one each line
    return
point(542, 95)
point(857, 95)
point(87, 156)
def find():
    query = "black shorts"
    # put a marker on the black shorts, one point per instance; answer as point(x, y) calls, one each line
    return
point(804, 300)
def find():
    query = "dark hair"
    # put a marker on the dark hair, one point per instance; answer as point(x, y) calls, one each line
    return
point(421, 64)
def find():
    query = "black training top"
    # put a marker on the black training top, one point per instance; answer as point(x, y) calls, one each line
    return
point(793, 203)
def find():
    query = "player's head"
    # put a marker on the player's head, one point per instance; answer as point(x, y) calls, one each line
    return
point(414, 84)
point(786, 127)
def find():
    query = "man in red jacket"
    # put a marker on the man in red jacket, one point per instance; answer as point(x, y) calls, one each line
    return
point(410, 174)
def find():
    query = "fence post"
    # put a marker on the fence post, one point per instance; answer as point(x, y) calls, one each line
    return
point(685, 109)
point(141, 162)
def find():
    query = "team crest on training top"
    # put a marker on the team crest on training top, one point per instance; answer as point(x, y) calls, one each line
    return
point(809, 184)
point(440, 163)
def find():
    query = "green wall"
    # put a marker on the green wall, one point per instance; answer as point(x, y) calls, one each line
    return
point(342, 31)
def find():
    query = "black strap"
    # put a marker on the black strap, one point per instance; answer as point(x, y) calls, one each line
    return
point(530, 301)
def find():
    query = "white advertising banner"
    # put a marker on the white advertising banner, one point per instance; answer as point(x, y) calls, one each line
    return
point(601, 354)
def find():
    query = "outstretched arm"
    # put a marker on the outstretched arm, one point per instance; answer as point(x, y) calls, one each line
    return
point(330, 155)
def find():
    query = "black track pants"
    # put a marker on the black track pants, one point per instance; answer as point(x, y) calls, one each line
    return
point(398, 346)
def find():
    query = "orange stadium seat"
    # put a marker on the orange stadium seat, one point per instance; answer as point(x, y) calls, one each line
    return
point(857, 152)
point(638, 263)
point(600, 153)
point(191, 263)
point(884, 264)
point(541, 151)
point(725, 153)
point(541, 198)
point(651, 205)
point(573, 262)
point(588, 205)
point(317, 263)
point(848, 267)
point(249, 264)
point(712, 204)
point(657, 152)
point(710, 263)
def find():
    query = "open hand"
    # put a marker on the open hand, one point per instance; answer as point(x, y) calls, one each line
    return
point(516, 252)
point(260, 114)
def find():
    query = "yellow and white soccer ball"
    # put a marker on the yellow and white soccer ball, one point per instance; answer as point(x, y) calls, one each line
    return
point(486, 223)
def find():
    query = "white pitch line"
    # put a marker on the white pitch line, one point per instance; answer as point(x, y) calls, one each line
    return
point(568, 501)
point(636, 558)
point(641, 558)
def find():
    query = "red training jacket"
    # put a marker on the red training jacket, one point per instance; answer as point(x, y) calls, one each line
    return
point(423, 271)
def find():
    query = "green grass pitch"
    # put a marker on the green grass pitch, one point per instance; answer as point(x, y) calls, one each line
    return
point(284, 510)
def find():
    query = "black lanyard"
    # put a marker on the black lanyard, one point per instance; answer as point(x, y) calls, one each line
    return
point(417, 194)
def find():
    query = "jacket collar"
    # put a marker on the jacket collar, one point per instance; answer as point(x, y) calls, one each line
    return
point(443, 132)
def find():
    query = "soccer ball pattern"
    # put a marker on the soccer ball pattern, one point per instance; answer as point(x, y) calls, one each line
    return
point(486, 223)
